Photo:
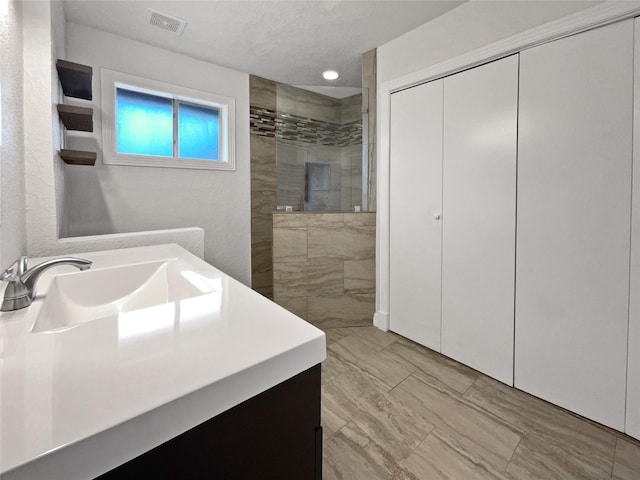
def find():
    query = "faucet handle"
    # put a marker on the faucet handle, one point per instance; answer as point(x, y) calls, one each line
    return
point(9, 275)
point(22, 264)
point(15, 271)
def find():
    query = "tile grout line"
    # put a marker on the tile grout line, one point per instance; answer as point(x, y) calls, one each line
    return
point(401, 381)
point(613, 460)
point(513, 453)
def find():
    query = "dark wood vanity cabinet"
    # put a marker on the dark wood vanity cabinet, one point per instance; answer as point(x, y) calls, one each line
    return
point(275, 435)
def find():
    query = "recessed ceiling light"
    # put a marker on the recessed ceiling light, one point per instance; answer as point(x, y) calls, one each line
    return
point(330, 75)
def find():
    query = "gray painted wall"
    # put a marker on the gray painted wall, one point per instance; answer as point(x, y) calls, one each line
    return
point(12, 188)
point(117, 199)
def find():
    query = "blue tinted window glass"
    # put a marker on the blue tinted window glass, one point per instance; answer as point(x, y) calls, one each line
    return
point(198, 132)
point(145, 124)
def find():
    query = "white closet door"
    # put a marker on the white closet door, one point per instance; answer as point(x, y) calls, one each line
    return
point(479, 205)
point(632, 424)
point(573, 223)
point(415, 208)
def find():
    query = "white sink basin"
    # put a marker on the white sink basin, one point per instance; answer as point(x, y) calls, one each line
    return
point(80, 297)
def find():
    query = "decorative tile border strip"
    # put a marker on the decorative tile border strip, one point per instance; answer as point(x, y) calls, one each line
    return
point(291, 128)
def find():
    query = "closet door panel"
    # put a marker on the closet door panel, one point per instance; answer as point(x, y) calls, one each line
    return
point(415, 202)
point(479, 203)
point(573, 221)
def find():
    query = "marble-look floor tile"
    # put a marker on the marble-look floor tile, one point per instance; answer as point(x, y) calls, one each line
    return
point(478, 431)
point(335, 334)
point(435, 425)
point(360, 396)
point(565, 438)
point(626, 465)
point(331, 421)
point(346, 456)
point(372, 461)
point(389, 369)
point(442, 457)
point(438, 367)
point(374, 336)
point(538, 458)
point(333, 365)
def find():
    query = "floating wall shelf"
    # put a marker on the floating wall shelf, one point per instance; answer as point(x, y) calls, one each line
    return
point(76, 118)
point(76, 82)
point(75, 79)
point(78, 157)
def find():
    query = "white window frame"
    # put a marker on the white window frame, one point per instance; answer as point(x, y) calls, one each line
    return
point(111, 80)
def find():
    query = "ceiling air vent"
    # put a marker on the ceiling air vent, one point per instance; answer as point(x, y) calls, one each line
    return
point(166, 22)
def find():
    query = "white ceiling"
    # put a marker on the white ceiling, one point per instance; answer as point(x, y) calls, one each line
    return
point(288, 41)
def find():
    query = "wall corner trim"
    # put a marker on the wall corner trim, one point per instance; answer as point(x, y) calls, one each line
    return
point(381, 320)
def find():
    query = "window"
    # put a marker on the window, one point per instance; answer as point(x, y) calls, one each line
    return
point(150, 123)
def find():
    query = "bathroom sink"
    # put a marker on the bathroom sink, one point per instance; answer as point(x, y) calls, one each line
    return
point(80, 297)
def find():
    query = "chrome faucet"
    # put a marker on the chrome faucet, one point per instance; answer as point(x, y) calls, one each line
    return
point(22, 281)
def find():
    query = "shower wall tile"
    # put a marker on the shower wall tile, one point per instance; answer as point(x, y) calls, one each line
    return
point(307, 278)
point(263, 150)
point(352, 109)
point(290, 220)
point(261, 228)
point(325, 220)
point(307, 219)
point(262, 99)
point(289, 245)
point(341, 311)
point(369, 72)
point(345, 199)
point(263, 177)
point(262, 283)
point(262, 92)
point(326, 261)
point(315, 128)
point(304, 103)
point(360, 276)
point(296, 305)
point(348, 243)
point(360, 219)
point(262, 260)
point(263, 202)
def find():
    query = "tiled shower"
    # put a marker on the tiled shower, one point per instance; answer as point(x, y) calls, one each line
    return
point(306, 161)
point(318, 151)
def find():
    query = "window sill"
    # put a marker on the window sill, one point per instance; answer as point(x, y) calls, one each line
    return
point(142, 161)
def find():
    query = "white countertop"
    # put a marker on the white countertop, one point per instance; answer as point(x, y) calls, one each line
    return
point(78, 402)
